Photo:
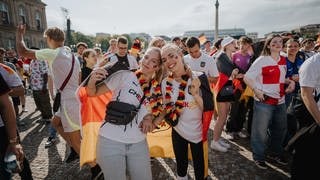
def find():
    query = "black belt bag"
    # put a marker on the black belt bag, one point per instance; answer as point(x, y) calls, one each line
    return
point(120, 113)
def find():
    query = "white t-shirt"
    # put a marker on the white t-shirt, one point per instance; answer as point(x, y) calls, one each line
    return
point(190, 120)
point(11, 78)
point(309, 73)
point(204, 63)
point(60, 62)
point(126, 88)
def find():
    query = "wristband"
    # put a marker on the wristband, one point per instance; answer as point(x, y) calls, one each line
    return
point(13, 140)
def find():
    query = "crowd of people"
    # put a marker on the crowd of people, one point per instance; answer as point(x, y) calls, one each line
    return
point(252, 88)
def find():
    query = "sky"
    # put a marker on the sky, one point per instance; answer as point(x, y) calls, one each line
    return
point(173, 17)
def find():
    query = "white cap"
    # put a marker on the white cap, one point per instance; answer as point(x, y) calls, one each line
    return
point(226, 41)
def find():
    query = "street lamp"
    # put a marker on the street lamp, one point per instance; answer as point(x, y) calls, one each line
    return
point(217, 22)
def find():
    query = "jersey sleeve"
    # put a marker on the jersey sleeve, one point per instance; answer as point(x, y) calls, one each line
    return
point(47, 54)
point(10, 77)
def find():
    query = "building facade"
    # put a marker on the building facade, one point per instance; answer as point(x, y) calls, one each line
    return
point(29, 12)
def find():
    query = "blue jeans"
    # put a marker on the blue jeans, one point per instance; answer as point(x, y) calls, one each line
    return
point(269, 121)
point(115, 158)
point(52, 131)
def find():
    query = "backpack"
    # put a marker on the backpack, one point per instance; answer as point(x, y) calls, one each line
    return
point(298, 109)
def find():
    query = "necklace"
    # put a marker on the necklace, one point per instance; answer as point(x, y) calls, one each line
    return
point(155, 99)
point(173, 111)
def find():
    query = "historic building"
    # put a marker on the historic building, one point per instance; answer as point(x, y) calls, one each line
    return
point(29, 12)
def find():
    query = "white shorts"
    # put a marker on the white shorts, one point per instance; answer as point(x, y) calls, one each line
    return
point(69, 112)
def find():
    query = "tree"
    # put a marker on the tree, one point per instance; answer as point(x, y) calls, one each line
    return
point(79, 37)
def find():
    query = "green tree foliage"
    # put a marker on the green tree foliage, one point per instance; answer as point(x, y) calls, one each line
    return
point(80, 37)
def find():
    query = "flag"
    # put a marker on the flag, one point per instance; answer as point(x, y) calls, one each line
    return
point(202, 38)
point(92, 115)
point(136, 47)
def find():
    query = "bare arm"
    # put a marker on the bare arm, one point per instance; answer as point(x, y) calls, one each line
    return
point(21, 47)
point(50, 86)
point(250, 82)
point(17, 91)
point(308, 99)
point(101, 88)
point(9, 117)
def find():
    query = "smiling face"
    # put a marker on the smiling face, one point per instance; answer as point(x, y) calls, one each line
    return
point(151, 61)
point(276, 44)
point(172, 57)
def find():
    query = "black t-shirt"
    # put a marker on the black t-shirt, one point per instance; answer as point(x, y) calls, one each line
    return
point(124, 60)
point(85, 72)
point(4, 88)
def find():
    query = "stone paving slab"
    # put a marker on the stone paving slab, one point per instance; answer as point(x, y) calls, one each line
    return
point(48, 163)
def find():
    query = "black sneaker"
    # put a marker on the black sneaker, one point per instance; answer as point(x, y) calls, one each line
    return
point(279, 159)
point(261, 164)
point(72, 156)
point(96, 173)
point(50, 142)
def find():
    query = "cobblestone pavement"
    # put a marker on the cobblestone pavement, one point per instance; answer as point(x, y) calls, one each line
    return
point(48, 163)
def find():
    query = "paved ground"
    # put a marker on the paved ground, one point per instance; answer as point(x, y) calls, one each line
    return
point(49, 163)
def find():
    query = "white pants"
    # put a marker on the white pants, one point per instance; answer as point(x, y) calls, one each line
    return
point(115, 158)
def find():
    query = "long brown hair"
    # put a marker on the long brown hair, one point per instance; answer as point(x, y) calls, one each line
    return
point(266, 49)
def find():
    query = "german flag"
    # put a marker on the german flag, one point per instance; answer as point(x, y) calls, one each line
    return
point(136, 47)
point(202, 38)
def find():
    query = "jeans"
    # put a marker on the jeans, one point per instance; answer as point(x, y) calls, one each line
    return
point(115, 158)
point(269, 121)
point(52, 131)
point(42, 101)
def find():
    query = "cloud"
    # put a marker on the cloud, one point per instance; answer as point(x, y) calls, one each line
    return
point(175, 17)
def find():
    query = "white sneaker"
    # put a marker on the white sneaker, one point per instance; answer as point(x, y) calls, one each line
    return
point(230, 135)
point(242, 135)
point(224, 143)
point(215, 145)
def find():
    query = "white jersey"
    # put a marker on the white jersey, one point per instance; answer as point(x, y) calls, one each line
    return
point(204, 63)
point(190, 120)
point(126, 88)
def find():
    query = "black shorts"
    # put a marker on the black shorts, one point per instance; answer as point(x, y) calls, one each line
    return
point(225, 98)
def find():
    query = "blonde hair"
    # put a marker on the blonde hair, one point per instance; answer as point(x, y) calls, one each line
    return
point(55, 34)
point(155, 42)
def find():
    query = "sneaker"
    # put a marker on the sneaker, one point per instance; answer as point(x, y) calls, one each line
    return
point(278, 159)
point(230, 135)
point(261, 164)
point(224, 143)
point(215, 145)
point(242, 135)
point(50, 142)
point(72, 156)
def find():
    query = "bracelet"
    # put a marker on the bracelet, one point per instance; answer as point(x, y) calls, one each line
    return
point(13, 140)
